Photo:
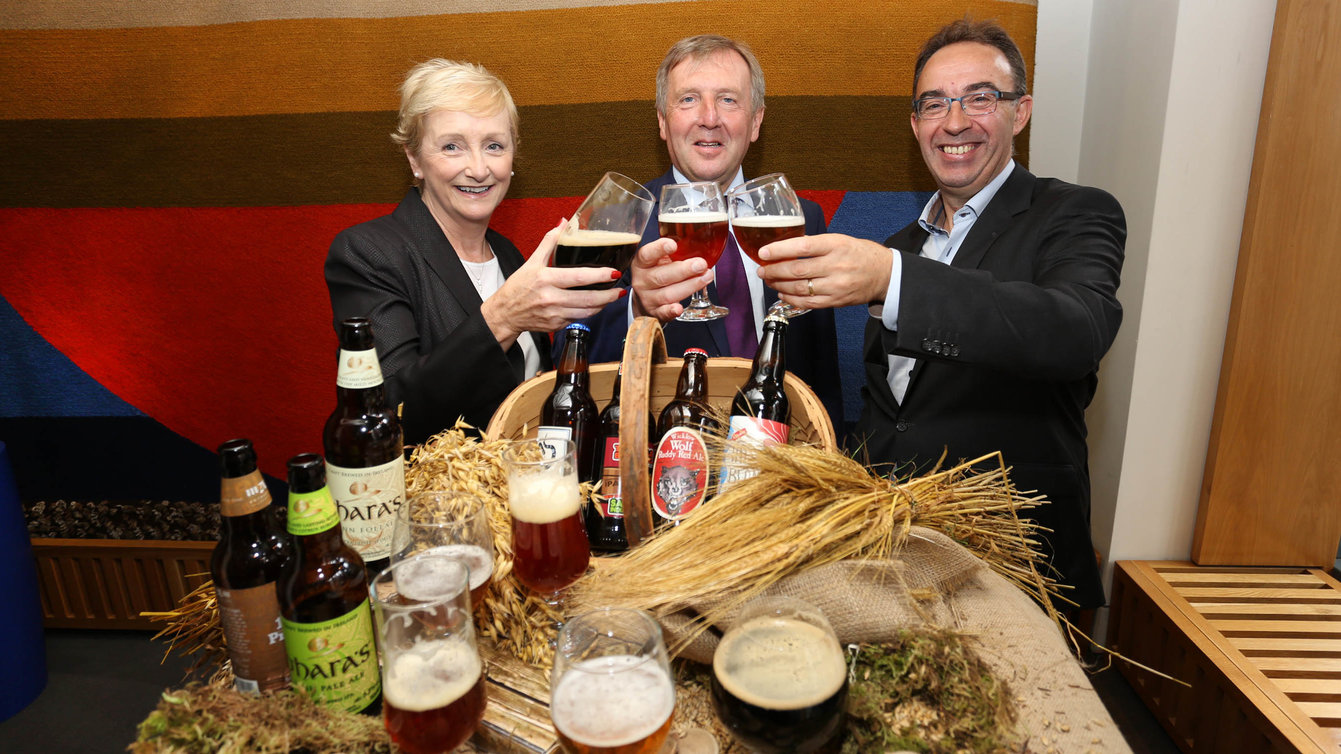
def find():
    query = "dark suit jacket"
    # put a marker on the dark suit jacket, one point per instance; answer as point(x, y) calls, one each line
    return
point(438, 355)
point(1008, 340)
point(812, 345)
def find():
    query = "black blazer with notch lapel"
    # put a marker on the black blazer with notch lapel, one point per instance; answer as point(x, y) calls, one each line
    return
point(1008, 340)
point(439, 357)
point(812, 343)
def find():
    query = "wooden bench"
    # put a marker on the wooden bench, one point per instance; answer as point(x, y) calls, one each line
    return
point(1261, 648)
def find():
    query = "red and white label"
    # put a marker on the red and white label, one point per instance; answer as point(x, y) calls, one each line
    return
point(747, 430)
point(679, 473)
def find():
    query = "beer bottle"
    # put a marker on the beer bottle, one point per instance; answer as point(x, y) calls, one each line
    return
point(761, 412)
point(323, 600)
point(681, 470)
point(570, 413)
point(605, 521)
point(365, 458)
point(245, 567)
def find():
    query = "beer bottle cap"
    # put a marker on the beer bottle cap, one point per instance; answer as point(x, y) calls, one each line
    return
point(578, 326)
point(307, 473)
point(775, 317)
point(700, 351)
point(356, 334)
point(237, 458)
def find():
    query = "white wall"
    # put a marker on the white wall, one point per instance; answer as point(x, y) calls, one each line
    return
point(1161, 104)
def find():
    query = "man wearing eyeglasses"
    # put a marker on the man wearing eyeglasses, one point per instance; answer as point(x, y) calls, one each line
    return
point(991, 312)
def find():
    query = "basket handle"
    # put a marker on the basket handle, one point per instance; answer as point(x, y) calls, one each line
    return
point(644, 348)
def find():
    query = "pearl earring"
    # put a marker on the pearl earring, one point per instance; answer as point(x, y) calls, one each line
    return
point(512, 173)
point(416, 175)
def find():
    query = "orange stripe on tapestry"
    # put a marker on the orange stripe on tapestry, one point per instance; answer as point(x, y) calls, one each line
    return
point(556, 56)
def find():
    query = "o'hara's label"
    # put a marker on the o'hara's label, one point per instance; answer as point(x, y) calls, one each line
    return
point(747, 429)
point(368, 499)
point(358, 369)
point(311, 512)
point(255, 635)
point(335, 661)
point(613, 507)
point(551, 449)
point(679, 473)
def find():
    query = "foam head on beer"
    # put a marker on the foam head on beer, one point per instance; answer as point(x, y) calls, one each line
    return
point(780, 663)
point(640, 693)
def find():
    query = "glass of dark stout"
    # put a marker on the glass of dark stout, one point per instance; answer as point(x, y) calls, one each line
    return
point(452, 523)
point(433, 694)
point(779, 678)
point(762, 211)
point(607, 229)
point(694, 215)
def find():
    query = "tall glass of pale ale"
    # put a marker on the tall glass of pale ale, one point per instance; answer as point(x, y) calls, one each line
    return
point(432, 676)
point(447, 522)
point(549, 540)
point(611, 691)
point(764, 210)
point(607, 228)
point(694, 215)
point(779, 679)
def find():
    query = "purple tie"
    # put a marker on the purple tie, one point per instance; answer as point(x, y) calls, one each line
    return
point(733, 292)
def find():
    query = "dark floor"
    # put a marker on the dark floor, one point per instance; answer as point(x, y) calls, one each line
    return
point(101, 684)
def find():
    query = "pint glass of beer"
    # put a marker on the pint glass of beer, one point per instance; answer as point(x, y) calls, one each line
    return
point(549, 540)
point(694, 214)
point(762, 211)
point(449, 523)
point(780, 679)
point(607, 229)
point(611, 691)
point(432, 675)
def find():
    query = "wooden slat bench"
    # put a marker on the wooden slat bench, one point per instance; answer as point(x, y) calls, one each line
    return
point(1261, 648)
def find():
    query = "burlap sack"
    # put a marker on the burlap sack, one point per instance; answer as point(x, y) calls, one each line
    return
point(936, 582)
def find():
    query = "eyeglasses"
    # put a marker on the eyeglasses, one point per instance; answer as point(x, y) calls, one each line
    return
point(974, 103)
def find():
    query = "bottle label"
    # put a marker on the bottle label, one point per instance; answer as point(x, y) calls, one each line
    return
point(613, 507)
point(358, 369)
point(255, 637)
point(679, 473)
point(335, 661)
point(311, 512)
point(747, 429)
point(552, 433)
point(367, 500)
point(240, 496)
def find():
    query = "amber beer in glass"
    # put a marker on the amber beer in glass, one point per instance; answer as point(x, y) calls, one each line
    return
point(451, 523)
point(762, 211)
point(549, 539)
point(611, 690)
point(607, 228)
point(433, 694)
point(694, 215)
point(779, 678)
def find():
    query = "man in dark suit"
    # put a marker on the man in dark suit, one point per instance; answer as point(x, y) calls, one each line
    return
point(710, 106)
point(991, 313)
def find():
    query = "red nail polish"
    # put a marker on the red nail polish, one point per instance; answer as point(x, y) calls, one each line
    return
point(616, 275)
point(623, 292)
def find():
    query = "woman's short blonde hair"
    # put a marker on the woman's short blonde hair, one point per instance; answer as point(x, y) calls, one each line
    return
point(449, 85)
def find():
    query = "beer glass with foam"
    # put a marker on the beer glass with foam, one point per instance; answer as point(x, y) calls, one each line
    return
point(549, 539)
point(694, 215)
point(450, 523)
point(606, 230)
point(432, 677)
point(611, 691)
point(779, 679)
point(762, 211)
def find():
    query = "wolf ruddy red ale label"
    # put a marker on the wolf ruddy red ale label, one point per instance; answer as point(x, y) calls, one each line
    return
point(679, 474)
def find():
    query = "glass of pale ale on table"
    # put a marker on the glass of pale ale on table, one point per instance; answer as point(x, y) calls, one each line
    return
point(549, 540)
point(779, 678)
point(607, 228)
point(762, 211)
point(447, 522)
point(433, 694)
point(612, 691)
point(694, 215)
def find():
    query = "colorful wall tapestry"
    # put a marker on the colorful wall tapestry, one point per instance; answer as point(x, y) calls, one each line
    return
point(173, 174)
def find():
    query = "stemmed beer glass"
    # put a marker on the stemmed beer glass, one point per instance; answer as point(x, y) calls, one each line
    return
point(762, 211)
point(779, 678)
point(433, 694)
point(607, 228)
point(447, 522)
point(694, 214)
point(549, 540)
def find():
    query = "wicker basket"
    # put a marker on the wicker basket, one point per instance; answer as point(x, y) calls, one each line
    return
point(650, 381)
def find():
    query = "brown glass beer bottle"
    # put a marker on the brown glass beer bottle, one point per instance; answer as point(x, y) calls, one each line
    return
point(365, 459)
point(761, 412)
point(323, 600)
point(681, 468)
point(245, 567)
point(570, 413)
point(605, 520)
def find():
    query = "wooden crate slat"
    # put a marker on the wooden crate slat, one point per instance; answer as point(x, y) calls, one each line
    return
point(1273, 627)
point(1310, 686)
point(1216, 610)
point(1326, 713)
point(1284, 580)
point(1265, 645)
point(1243, 594)
point(1310, 666)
